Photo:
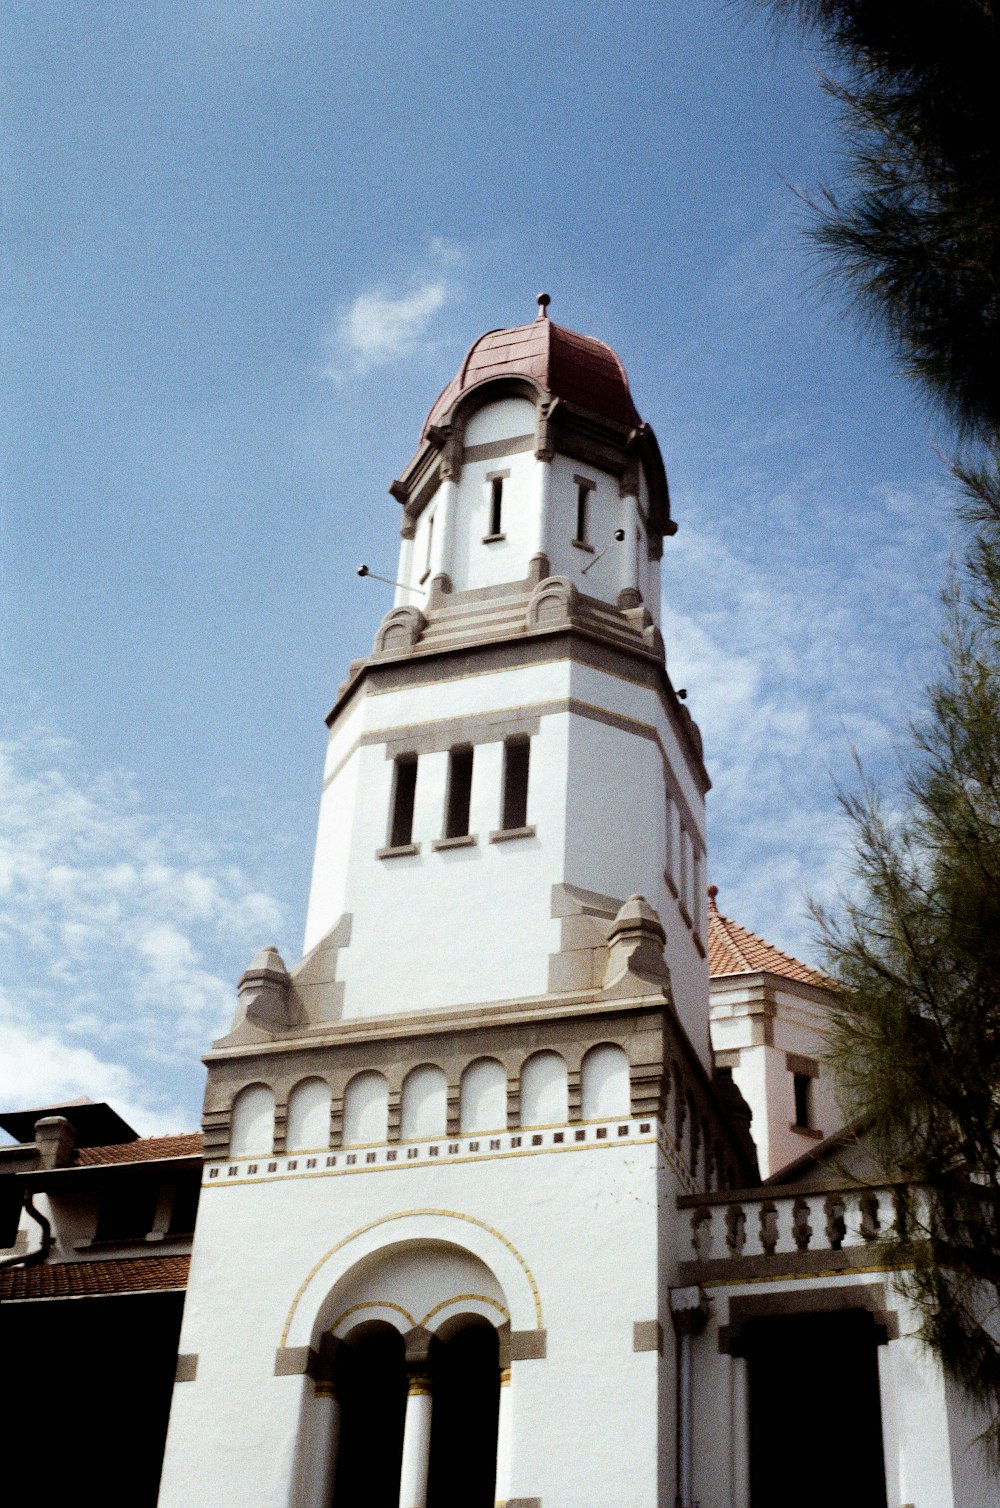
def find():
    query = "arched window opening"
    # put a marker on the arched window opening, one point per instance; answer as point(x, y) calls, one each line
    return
point(366, 1110)
point(544, 1091)
point(465, 1372)
point(308, 1116)
point(484, 1096)
point(371, 1386)
point(424, 1110)
point(605, 1086)
point(251, 1132)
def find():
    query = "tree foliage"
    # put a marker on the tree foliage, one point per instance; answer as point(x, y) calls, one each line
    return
point(913, 237)
point(915, 231)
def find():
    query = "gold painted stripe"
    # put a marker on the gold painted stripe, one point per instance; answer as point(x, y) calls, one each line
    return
point(404, 1215)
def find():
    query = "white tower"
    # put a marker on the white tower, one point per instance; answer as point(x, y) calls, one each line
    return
point(433, 1261)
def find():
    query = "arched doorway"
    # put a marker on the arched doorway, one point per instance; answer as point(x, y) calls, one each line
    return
point(465, 1377)
point(371, 1387)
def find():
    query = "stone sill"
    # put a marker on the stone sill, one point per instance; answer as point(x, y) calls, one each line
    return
point(809, 1131)
point(493, 539)
point(399, 852)
point(466, 840)
point(507, 834)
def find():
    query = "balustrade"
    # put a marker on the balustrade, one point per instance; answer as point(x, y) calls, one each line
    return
point(774, 1225)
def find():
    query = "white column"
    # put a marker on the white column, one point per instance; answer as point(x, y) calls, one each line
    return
point(404, 575)
point(505, 1425)
point(442, 555)
point(739, 1431)
point(321, 1450)
point(630, 546)
point(544, 496)
point(416, 1443)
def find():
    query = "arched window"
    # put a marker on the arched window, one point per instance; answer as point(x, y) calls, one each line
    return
point(605, 1087)
point(465, 1377)
point(484, 1096)
point(251, 1131)
point(371, 1386)
point(544, 1091)
point(425, 1103)
point(308, 1116)
point(366, 1110)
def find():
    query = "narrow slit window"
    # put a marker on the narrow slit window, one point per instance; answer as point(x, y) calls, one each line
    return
point(583, 491)
point(515, 784)
point(496, 505)
point(803, 1100)
point(404, 792)
point(459, 793)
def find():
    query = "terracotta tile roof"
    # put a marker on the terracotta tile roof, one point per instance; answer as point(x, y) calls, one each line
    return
point(575, 367)
point(146, 1149)
point(733, 949)
point(54, 1280)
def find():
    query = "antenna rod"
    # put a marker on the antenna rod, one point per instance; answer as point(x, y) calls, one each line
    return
point(619, 536)
point(363, 570)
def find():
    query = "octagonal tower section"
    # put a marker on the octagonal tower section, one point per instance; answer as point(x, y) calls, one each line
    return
point(511, 762)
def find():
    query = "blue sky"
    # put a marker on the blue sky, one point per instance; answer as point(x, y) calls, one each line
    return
point(245, 244)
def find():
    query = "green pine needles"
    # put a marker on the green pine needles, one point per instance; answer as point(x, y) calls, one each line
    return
point(913, 237)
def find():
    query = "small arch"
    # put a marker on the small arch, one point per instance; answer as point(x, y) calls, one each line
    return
point(308, 1116)
point(251, 1130)
point(605, 1085)
point(544, 1090)
point(484, 1096)
point(424, 1109)
point(366, 1109)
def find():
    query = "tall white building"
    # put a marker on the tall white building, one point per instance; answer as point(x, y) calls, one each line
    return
point(481, 1217)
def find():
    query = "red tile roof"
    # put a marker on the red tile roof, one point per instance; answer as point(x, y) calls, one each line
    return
point(576, 367)
point(733, 949)
point(146, 1149)
point(55, 1280)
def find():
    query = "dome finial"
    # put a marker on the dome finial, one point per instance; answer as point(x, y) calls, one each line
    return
point(543, 301)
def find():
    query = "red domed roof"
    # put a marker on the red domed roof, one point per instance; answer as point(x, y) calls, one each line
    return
point(584, 371)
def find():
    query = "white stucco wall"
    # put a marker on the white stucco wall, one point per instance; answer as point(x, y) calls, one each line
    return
point(571, 1242)
point(434, 929)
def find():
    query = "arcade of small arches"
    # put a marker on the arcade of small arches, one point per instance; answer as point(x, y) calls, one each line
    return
point(489, 1097)
point(424, 1109)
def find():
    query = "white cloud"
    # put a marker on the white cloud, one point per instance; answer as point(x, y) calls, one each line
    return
point(789, 664)
point(384, 323)
point(122, 933)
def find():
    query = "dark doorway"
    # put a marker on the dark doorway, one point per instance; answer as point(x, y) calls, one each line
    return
point(86, 1397)
point(466, 1382)
point(815, 1416)
point(371, 1385)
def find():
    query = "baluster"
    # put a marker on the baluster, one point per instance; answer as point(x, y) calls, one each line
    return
point(736, 1229)
point(801, 1229)
point(701, 1233)
point(769, 1226)
point(836, 1226)
point(854, 1218)
point(785, 1220)
point(871, 1227)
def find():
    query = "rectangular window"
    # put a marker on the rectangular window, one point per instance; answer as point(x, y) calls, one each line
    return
point(583, 491)
point(404, 790)
point(515, 783)
point(496, 505)
point(803, 1100)
point(459, 793)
